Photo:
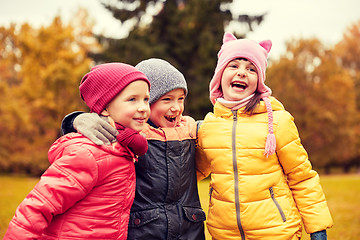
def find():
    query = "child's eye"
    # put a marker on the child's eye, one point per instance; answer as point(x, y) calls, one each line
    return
point(181, 98)
point(165, 99)
point(146, 99)
point(252, 69)
point(131, 99)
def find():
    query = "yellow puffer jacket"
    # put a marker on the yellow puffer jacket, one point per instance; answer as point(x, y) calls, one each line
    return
point(251, 196)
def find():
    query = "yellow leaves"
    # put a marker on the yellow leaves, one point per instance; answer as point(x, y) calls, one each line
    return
point(348, 49)
point(321, 95)
point(40, 72)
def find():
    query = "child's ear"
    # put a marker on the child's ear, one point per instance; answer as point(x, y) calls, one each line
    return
point(105, 113)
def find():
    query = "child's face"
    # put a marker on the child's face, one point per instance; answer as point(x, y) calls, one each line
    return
point(130, 107)
point(239, 80)
point(166, 111)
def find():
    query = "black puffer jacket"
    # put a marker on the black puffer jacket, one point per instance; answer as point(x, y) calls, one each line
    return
point(167, 204)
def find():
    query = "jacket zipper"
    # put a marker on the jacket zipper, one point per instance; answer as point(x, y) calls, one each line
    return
point(277, 204)
point(236, 174)
point(210, 192)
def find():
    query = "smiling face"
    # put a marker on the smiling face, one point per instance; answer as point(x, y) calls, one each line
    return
point(130, 107)
point(167, 110)
point(239, 80)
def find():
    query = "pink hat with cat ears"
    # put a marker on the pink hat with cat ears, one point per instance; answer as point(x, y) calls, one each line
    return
point(256, 53)
point(233, 48)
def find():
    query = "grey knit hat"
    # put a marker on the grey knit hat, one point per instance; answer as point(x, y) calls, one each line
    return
point(163, 77)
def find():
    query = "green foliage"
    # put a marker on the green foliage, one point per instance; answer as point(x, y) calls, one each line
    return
point(188, 34)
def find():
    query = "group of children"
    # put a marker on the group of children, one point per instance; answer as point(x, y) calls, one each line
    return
point(262, 185)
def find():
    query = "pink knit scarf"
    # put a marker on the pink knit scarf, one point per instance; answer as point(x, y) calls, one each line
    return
point(235, 105)
point(132, 139)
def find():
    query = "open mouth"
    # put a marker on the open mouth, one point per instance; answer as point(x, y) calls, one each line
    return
point(170, 118)
point(241, 85)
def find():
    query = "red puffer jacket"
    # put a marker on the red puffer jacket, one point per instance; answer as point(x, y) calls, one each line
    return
point(86, 193)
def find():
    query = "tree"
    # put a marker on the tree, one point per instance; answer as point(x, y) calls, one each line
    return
point(320, 95)
point(40, 88)
point(186, 33)
point(347, 53)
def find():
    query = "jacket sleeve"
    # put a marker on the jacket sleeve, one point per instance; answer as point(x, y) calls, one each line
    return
point(303, 181)
point(66, 181)
point(67, 125)
point(202, 162)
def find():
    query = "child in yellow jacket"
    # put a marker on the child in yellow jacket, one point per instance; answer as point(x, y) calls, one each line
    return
point(262, 184)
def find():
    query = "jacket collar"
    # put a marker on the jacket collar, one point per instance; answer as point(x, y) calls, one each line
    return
point(221, 110)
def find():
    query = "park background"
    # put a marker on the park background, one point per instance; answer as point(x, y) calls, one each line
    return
point(318, 83)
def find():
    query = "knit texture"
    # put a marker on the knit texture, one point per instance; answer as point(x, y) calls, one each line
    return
point(256, 53)
point(163, 77)
point(233, 48)
point(130, 138)
point(105, 81)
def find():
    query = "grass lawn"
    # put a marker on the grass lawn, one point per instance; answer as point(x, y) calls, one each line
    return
point(342, 193)
point(13, 191)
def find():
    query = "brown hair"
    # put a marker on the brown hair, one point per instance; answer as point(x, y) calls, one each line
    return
point(250, 106)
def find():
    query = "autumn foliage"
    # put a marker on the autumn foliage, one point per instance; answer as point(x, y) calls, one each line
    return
point(39, 78)
point(40, 70)
point(320, 93)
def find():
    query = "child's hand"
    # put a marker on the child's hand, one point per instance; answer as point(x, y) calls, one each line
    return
point(321, 235)
point(96, 128)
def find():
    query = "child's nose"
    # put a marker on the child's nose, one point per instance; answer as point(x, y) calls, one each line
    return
point(143, 107)
point(175, 107)
point(241, 72)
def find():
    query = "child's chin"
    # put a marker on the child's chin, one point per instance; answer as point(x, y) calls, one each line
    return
point(139, 128)
point(171, 124)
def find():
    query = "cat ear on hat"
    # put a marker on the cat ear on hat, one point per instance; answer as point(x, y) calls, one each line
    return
point(228, 37)
point(266, 44)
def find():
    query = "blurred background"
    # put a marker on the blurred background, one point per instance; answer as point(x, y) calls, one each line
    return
point(314, 70)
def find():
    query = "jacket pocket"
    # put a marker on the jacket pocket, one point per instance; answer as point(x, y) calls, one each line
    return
point(194, 214)
point(277, 204)
point(140, 218)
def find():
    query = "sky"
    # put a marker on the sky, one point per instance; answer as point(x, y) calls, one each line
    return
point(284, 21)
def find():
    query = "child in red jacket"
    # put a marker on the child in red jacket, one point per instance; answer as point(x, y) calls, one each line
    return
point(88, 190)
point(166, 204)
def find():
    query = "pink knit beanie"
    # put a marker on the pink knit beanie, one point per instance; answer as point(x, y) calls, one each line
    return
point(256, 53)
point(105, 81)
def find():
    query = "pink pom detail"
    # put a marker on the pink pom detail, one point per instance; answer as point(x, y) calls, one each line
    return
point(270, 145)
